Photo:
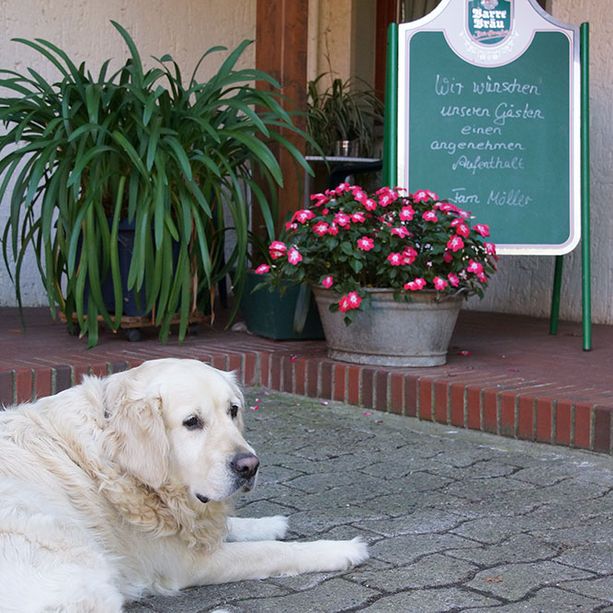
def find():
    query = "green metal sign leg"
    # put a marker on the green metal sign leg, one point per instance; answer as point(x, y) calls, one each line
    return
point(585, 189)
point(390, 153)
point(555, 295)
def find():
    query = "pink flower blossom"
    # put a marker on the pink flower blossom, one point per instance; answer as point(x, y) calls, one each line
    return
point(319, 199)
point(333, 229)
point(386, 196)
point(474, 267)
point(439, 283)
point(294, 257)
point(262, 269)
point(447, 207)
point(406, 213)
point(277, 249)
point(416, 284)
point(482, 277)
point(289, 226)
point(351, 301)
point(423, 195)
point(342, 220)
point(447, 257)
point(401, 231)
point(366, 243)
point(455, 243)
point(369, 204)
point(327, 282)
point(341, 189)
point(409, 255)
point(490, 248)
point(454, 280)
point(321, 228)
point(359, 195)
point(358, 217)
point(463, 230)
point(387, 191)
point(395, 259)
point(430, 216)
point(481, 228)
point(303, 216)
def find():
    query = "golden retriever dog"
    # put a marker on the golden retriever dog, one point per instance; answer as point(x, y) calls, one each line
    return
point(121, 486)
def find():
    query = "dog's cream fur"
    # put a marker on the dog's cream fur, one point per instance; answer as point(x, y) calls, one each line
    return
point(98, 490)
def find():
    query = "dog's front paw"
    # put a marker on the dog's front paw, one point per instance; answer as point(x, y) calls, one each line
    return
point(356, 551)
point(336, 555)
point(273, 528)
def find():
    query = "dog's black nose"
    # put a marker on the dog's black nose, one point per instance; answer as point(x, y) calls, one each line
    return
point(245, 465)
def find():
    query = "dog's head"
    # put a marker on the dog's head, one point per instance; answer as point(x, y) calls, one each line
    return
point(179, 421)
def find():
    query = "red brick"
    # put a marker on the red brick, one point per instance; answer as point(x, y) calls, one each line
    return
point(300, 366)
point(287, 368)
point(340, 371)
point(235, 363)
point(456, 401)
point(410, 395)
point(99, 370)
point(473, 408)
point(525, 418)
point(425, 399)
point(42, 382)
point(312, 378)
point(366, 385)
point(507, 413)
point(325, 368)
point(264, 374)
point(219, 361)
point(563, 422)
point(396, 393)
point(602, 429)
point(583, 414)
point(381, 385)
point(7, 388)
point(490, 410)
point(62, 378)
point(78, 372)
point(275, 371)
point(249, 369)
point(353, 385)
point(544, 413)
point(23, 385)
point(441, 401)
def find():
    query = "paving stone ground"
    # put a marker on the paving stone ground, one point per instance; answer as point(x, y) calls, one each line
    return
point(455, 520)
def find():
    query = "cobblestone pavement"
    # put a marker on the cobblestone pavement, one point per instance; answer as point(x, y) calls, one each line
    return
point(456, 520)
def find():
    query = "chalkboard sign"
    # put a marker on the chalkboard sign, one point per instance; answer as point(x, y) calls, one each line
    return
point(489, 117)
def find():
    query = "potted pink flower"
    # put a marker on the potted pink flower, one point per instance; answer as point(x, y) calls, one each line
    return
point(394, 265)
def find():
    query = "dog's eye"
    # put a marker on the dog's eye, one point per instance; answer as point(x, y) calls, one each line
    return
point(193, 423)
point(234, 411)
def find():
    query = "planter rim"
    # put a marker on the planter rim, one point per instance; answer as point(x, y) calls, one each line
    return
point(431, 294)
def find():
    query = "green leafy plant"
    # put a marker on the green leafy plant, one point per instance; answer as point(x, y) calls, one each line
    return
point(346, 110)
point(348, 240)
point(175, 157)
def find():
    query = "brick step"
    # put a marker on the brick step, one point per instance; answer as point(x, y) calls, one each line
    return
point(493, 402)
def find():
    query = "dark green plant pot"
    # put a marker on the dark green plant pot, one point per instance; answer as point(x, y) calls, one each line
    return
point(271, 314)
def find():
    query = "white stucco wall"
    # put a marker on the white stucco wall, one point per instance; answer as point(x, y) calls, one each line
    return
point(183, 28)
point(523, 284)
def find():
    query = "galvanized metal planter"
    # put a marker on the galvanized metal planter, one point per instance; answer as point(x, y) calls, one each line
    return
point(390, 333)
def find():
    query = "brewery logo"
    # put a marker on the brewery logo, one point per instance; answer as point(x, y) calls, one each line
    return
point(489, 21)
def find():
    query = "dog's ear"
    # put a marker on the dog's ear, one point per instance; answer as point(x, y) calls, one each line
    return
point(135, 435)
